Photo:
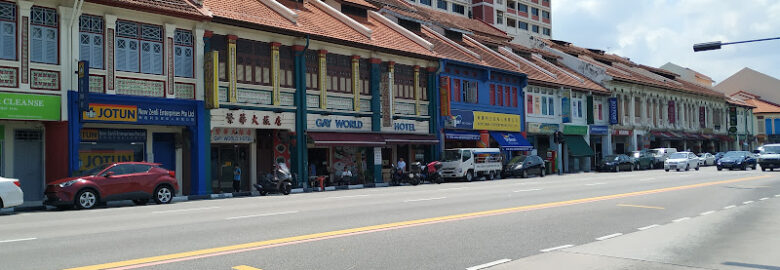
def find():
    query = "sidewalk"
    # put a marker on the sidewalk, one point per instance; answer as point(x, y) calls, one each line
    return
point(745, 237)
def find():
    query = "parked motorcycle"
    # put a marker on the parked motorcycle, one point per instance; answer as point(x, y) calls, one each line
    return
point(280, 181)
point(432, 172)
point(399, 177)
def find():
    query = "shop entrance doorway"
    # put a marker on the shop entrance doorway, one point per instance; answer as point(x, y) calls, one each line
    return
point(164, 150)
point(28, 162)
point(227, 156)
point(319, 158)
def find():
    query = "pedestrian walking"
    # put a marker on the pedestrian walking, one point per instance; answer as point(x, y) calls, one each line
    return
point(237, 179)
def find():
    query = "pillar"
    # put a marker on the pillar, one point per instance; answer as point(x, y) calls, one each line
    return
point(356, 82)
point(433, 104)
point(300, 156)
point(321, 56)
point(376, 116)
point(231, 69)
point(168, 65)
point(275, 73)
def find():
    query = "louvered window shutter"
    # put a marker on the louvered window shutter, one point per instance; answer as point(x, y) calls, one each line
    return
point(132, 55)
point(157, 58)
point(36, 44)
point(85, 48)
point(8, 40)
point(50, 46)
point(96, 59)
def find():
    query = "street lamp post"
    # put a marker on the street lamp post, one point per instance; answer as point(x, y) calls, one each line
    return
point(715, 45)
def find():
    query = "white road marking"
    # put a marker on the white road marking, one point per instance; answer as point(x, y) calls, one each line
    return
point(525, 190)
point(262, 215)
point(17, 240)
point(707, 213)
point(593, 184)
point(426, 199)
point(455, 188)
point(490, 264)
point(648, 227)
point(747, 202)
point(609, 236)
point(556, 248)
point(729, 207)
point(681, 219)
point(350, 196)
point(647, 179)
point(525, 183)
point(763, 199)
point(185, 210)
point(778, 195)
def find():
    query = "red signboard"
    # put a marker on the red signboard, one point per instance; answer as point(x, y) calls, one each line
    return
point(702, 117)
point(672, 117)
point(444, 91)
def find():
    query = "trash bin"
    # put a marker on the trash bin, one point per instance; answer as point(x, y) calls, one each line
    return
point(547, 167)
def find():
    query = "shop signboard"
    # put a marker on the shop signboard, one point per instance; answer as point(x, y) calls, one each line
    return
point(542, 128)
point(599, 130)
point(252, 119)
point(407, 126)
point(621, 132)
point(497, 121)
point(29, 107)
point(444, 92)
point(142, 113)
point(321, 122)
point(575, 130)
point(613, 111)
point(460, 119)
point(112, 135)
point(702, 117)
point(232, 135)
point(566, 106)
point(90, 159)
point(732, 116)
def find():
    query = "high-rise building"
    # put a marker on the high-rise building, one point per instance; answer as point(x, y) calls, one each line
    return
point(518, 18)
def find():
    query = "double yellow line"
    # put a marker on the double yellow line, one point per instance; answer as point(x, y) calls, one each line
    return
point(388, 226)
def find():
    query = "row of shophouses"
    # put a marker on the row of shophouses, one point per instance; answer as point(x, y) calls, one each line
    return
point(204, 86)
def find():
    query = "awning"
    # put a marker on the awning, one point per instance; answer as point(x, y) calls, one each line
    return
point(577, 146)
point(346, 139)
point(676, 135)
point(461, 135)
point(708, 136)
point(409, 139)
point(692, 136)
point(725, 138)
point(511, 141)
point(661, 134)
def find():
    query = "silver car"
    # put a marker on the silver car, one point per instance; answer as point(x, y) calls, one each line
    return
point(681, 161)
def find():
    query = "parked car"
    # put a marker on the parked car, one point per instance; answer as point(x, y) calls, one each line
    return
point(137, 181)
point(661, 154)
point(769, 156)
point(616, 163)
point(719, 155)
point(472, 163)
point(643, 160)
point(706, 159)
point(10, 193)
point(524, 166)
point(681, 161)
point(737, 160)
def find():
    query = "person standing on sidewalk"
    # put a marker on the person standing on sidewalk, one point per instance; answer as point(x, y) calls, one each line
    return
point(237, 179)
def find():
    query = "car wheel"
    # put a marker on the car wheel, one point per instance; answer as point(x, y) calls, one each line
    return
point(86, 199)
point(678, 169)
point(771, 169)
point(763, 169)
point(666, 170)
point(697, 167)
point(720, 168)
point(141, 201)
point(617, 168)
point(744, 167)
point(688, 167)
point(286, 188)
point(632, 168)
point(469, 176)
point(542, 173)
point(524, 174)
point(263, 193)
point(491, 176)
point(754, 167)
point(163, 194)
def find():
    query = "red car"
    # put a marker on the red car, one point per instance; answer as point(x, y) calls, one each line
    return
point(137, 181)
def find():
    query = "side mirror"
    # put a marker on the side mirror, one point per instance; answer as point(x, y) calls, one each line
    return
point(108, 174)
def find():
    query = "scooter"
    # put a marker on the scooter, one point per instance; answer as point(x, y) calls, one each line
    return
point(432, 172)
point(280, 181)
point(399, 177)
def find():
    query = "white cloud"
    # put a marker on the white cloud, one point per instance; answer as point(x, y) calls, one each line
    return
point(659, 31)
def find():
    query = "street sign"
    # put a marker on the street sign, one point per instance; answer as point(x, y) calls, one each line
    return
point(83, 84)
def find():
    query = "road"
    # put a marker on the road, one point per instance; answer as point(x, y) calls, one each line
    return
point(447, 226)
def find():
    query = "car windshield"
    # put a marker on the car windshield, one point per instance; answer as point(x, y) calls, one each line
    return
point(654, 151)
point(678, 155)
point(96, 170)
point(734, 154)
point(774, 149)
point(611, 158)
point(451, 155)
point(702, 154)
point(517, 159)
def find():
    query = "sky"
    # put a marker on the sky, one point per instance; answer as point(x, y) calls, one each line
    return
point(654, 32)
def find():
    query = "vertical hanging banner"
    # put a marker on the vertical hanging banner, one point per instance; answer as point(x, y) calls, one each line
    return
point(323, 79)
point(613, 111)
point(672, 116)
point(702, 117)
point(211, 79)
point(589, 110)
point(417, 90)
point(356, 82)
point(566, 106)
point(733, 116)
point(444, 93)
point(83, 75)
point(384, 86)
point(391, 85)
point(275, 71)
point(232, 66)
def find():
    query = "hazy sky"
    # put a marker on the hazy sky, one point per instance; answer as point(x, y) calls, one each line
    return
point(654, 32)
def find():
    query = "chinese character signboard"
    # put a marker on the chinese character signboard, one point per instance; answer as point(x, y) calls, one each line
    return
point(496, 121)
point(444, 92)
point(252, 119)
point(702, 117)
point(566, 106)
point(613, 111)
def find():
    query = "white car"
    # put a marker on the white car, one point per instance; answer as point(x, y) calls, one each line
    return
point(706, 159)
point(10, 193)
point(681, 161)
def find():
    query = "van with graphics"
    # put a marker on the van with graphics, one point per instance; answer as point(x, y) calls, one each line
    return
point(472, 163)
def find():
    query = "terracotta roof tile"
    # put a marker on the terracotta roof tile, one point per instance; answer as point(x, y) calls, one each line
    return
point(763, 106)
point(314, 21)
point(178, 8)
point(361, 3)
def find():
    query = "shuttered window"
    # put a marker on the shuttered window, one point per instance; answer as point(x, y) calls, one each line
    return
point(183, 51)
point(91, 40)
point(43, 35)
point(7, 31)
point(139, 48)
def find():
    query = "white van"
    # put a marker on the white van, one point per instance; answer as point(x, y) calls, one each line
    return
point(468, 163)
point(661, 154)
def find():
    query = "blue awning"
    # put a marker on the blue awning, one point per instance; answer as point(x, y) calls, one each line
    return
point(461, 135)
point(511, 141)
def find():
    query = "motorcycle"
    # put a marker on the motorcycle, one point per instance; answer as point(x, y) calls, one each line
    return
point(432, 172)
point(280, 181)
point(399, 177)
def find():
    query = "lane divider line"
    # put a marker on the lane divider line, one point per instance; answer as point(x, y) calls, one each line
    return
point(706, 213)
point(349, 196)
point(184, 210)
point(17, 240)
point(648, 227)
point(556, 248)
point(729, 207)
point(426, 199)
point(763, 199)
point(609, 236)
point(641, 206)
point(526, 190)
point(455, 188)
point(777, 195)
point(490, 264)
point(593, 184)
point(747, 202)
point(245, 267)
point(230, 249)
point(681, 219)
point(263, 215)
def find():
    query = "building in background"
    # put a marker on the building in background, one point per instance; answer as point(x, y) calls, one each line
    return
point(753, 82)
point(764, 114)
point(689, 75)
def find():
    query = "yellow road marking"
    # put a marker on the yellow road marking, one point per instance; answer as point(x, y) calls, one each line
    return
point(641, 206)
point(245, 267)
point(299, 238)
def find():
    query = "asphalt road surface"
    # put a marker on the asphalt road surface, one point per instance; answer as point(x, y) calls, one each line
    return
point(449, 226)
